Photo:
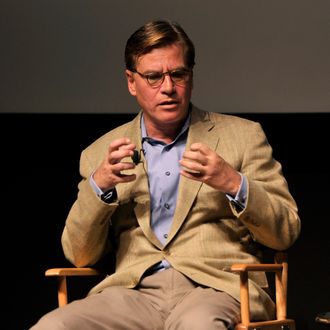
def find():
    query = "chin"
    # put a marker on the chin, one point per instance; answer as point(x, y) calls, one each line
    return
point(173, 109)
point(172, 113)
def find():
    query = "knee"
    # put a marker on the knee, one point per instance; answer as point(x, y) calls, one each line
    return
point(50, 322)
point(196, 319)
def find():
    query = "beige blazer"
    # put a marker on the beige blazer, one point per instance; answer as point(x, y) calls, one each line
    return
point(207, 234)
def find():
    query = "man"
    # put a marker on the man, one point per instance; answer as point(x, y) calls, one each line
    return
point(205, 193)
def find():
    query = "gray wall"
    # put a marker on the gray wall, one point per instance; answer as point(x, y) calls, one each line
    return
point(66, 56)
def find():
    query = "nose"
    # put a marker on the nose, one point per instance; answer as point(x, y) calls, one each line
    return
point(168, 86)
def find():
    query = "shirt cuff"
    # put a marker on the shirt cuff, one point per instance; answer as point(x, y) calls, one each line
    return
point(239, 201)
point(107, 196)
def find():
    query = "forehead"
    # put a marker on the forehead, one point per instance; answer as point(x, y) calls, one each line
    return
point(171, 56)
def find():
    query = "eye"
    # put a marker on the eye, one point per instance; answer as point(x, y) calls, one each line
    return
point(179, 74)
point(154, 76)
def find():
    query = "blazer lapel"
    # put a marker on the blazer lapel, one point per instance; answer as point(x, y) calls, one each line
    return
point(201, 130)
point(139, 189)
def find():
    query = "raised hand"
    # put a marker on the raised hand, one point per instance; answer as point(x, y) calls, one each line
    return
point(201, 163)
point(108, 174)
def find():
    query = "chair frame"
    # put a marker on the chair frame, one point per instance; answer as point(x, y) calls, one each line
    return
point(279, 267)
point(62, 273)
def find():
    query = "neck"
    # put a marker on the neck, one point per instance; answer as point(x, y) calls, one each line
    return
point(164, 133)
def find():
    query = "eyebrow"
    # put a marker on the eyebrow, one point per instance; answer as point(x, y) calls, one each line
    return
point(155, 71)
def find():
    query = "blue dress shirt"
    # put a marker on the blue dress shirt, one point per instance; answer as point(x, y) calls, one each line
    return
point(164, 176)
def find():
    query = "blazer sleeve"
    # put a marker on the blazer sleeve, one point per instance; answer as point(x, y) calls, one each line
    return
point(85, 235)
point(271, 213)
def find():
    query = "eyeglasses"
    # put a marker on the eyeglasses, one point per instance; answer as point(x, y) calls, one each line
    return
point(155, 79)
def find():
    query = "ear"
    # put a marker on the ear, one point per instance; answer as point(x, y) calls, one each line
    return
point(192, 79)
point(130, 82)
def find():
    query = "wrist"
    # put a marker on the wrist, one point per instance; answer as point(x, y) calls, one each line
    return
point(109, 196)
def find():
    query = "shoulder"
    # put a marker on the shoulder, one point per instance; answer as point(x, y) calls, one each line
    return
point(223, 120)
point(230, 119)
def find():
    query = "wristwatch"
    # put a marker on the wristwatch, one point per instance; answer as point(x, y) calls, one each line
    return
point(109, 196)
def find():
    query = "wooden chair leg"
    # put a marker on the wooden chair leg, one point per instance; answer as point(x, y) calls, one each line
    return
point(62, 273)
point(62, 292)
point(245, 304)
point(281, 278)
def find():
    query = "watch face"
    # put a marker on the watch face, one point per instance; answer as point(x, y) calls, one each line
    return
point(109, 196)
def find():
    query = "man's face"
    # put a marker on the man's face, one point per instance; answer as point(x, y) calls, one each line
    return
point(168, 103)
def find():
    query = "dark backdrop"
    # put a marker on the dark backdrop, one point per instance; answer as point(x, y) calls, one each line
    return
point(39, 174)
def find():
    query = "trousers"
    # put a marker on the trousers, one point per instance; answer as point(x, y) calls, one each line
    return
point(166, 300)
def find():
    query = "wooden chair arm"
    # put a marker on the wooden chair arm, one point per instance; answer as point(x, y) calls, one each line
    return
point(62, 273)
point(256, 267)
point(280, 268)
point(78, 271)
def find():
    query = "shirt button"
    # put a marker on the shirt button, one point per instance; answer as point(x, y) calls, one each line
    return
point(165, 235)
point(167, 206)
point(167, 173)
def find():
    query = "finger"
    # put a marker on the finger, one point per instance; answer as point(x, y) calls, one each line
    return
point(122, 166)
point(117, 155)
point(191, 175)
point(120, 148)
point(122, 178)
point(195, 156)
point(191, 166)
point(116, 144)
point(201, 147)
point(192, 156)
point(121, 143)
point(111, 175)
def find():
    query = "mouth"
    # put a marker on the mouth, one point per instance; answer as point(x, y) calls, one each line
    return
point(169, 103)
